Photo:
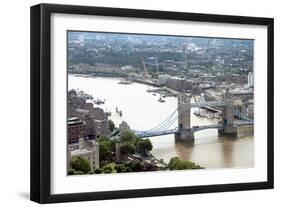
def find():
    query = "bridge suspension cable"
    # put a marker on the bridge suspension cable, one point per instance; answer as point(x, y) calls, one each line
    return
point(168, 124)
point(163, 122)
point(161, 126)
point(241, 116)
point(164, 125)
point(112, 133)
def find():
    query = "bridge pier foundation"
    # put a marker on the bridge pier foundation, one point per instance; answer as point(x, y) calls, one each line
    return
point(228, 131)
point(184, 136)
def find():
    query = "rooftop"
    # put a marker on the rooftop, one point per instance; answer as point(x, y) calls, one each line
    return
point(80, 152)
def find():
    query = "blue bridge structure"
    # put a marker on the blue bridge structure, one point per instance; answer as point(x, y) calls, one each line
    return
point(184, 131)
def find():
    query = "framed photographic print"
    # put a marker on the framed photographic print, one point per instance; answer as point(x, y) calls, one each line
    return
point(132, 103)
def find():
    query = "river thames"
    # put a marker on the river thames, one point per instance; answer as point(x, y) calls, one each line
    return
point(142, 111)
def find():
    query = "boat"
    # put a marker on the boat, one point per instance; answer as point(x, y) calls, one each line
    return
point(161, 100)
point(217, 116)
point(98, 101)
point(149, 90)
point(196, 113)
point(200, 113)
point(126, 82)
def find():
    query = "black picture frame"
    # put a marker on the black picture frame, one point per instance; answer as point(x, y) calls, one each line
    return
point(40, 102)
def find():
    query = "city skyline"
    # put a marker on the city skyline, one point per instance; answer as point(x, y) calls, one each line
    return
point(194, 86)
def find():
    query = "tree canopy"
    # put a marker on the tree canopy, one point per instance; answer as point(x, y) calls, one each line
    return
point(80, 164)
point(127, 135)
point(105, 150)
point(143, 146)
point(178, 164)
point(127, 148)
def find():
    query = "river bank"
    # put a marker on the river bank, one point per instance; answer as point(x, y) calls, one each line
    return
point(143, 111)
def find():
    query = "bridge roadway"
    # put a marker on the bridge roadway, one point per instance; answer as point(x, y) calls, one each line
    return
point(207, 103)
point(158, 131)
point(145, 134)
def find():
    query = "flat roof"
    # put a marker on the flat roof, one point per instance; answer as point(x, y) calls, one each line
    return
point(80, 152)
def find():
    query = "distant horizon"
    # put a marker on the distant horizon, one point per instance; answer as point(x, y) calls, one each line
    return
point(144, 35)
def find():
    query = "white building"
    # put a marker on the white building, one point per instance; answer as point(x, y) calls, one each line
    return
point(87, 149)
point(127, 67)
point(250, 79)
point(162, 79)
point(86, 154)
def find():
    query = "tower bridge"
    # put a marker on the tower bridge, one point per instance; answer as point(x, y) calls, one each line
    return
point(185, 132)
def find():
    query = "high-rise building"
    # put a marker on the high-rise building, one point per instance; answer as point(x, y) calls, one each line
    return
point(250, 79)
point(75, 129)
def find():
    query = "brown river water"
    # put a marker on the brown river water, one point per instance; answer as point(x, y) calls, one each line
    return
point(142, 111)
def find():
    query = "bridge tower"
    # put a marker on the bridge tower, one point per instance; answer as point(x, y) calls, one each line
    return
point(229, 129)
point(185, 132)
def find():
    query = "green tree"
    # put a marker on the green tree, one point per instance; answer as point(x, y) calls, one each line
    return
point(105, 150)
point(79, 173)
point(102, 138)
point(80, 164)
point(107, 169)
point(71, 172)
point(128, 169)
point(112, 144)
point(109, 142)
point(143, 146)
point(178, 164)
point(111, 125)
point(129, 166)
point(136, 166)
point(119, 168)
point(98, 171)
point(127, 148)
point(127, 136)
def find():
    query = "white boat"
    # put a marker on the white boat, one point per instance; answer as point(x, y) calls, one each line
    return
point(98, 101)
point(196, 113)
point(126, 82)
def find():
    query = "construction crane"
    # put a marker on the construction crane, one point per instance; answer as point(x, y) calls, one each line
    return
point(144, 67)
